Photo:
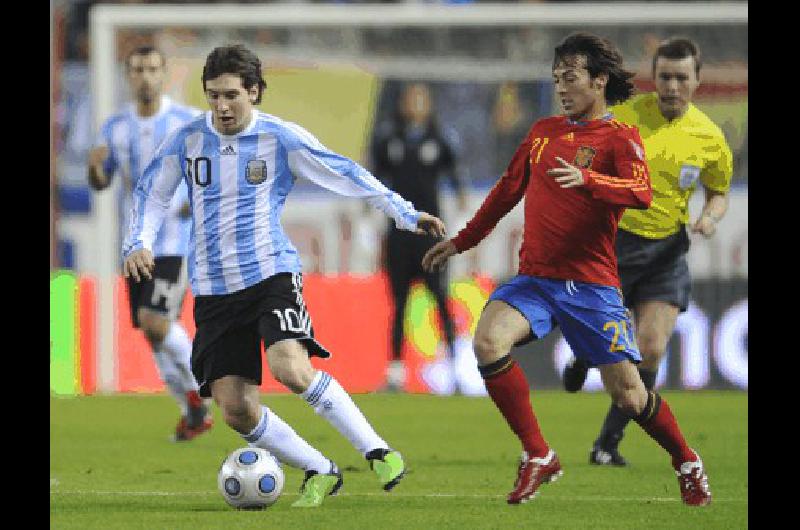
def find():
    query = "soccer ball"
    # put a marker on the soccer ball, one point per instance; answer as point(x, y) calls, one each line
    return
point(250, 478)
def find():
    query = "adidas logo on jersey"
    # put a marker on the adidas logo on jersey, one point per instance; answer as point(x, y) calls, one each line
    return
point(228, 151)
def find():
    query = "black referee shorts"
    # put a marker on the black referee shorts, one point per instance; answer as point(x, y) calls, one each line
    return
point(230, 328)
point(654, 269)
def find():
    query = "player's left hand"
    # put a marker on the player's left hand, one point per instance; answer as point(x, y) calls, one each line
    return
point(428, 224)
point(438, 255)
point(568, 176)
point(705, 225)
point(139, 262)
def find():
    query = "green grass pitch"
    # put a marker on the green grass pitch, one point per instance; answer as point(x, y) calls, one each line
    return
point(112, 466)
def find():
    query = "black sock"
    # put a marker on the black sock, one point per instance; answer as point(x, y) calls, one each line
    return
point(496, 368)
point(612, 430)
point(377, 454)
point(648, 378)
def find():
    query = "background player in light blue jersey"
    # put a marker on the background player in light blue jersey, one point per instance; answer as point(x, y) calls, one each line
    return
point(126, 145)
point(240, 165)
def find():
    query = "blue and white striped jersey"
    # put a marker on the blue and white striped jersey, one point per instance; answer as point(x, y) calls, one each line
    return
point(237, 187)
point(132, 142)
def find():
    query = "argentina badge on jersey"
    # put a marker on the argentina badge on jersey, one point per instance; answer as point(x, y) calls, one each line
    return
point(256, 171)
point(688, 176)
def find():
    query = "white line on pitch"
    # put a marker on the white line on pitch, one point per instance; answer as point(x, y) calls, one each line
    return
point(394, 494)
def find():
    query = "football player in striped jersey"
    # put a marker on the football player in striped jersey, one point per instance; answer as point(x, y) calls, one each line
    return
point(125, 145)
point(240, 165)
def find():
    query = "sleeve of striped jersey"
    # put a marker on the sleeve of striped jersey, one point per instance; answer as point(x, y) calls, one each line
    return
point(717, 174)
point(104, 139)
point(179, 199)
point(309, 159)
point(505, 194)
point(630, 187)
point(152, 197)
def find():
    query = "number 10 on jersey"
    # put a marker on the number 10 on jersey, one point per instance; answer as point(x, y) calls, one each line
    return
point(199, 170)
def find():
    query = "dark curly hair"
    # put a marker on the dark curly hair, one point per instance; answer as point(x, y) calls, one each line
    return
point(238, 60)
point(602, 57)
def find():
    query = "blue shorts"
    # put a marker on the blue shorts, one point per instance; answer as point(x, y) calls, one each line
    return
point(595, 323)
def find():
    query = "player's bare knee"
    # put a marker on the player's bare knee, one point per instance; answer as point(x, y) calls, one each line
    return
point(650, 362)
point(631, 400)
point(154, 326)
point(290, 366)
point(292, 377)
point(238, 414)
point(488, 348)
point(627, 404)
point(154, 336)
point(651, 347)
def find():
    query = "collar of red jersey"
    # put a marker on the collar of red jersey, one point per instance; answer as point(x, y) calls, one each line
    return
point(607, 116)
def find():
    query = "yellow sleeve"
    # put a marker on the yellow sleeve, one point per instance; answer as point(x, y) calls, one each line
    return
point(624, 112)
point(717, 174)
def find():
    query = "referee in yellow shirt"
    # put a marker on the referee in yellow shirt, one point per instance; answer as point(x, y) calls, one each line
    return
point(683, 146)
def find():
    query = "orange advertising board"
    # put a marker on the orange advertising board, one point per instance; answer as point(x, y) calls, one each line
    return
point(351, 316)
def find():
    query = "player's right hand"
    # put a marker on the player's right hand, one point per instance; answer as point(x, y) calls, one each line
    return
point(98, 155)
point(705, 225)
point(98, 180)
point(431, 225)
point(139, 262)
point(438, 254)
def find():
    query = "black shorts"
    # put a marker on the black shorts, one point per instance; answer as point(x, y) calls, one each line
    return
point(230, 328)
point(163, 294)
point(654, 269)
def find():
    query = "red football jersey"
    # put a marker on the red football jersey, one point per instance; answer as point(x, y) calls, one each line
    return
point(569, 232)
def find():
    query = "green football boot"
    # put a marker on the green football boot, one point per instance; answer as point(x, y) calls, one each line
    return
point(388, 466)
point(316, 486)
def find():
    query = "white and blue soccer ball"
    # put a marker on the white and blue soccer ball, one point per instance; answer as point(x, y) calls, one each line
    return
point(250, 478)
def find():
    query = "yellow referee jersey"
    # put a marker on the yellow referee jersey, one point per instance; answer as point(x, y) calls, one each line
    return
point(679, 153)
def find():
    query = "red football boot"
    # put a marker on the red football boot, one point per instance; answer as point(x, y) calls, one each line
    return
point(205, 425)
point(532, 473)
point(184, 433)
point(181, 429)
point(694, 482)
point(196, 422)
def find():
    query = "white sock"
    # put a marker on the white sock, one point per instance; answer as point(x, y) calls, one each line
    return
point(396, 374)
point(179, 347)
point(330, 401)
point(277, 437)
point(166, 368)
